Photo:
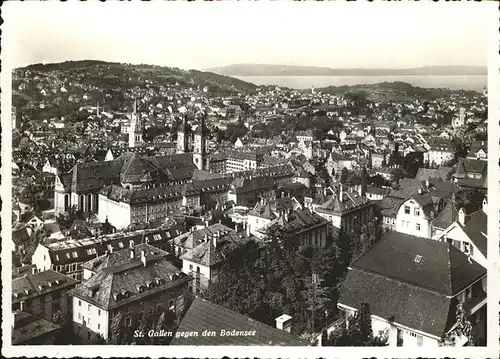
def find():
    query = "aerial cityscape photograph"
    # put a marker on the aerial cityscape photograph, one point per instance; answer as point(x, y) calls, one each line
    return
point(194, 177)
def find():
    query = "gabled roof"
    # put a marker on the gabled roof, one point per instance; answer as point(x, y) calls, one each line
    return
point(412, 291)
point(476, 225)
point(203, 315)
point(28, 328)
point(136, 169)
point(20, 236)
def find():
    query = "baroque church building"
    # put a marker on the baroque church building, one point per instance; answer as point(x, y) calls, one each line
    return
point(88, 186)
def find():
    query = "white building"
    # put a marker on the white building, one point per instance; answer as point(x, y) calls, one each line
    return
point(415, 215)
point(469, 234)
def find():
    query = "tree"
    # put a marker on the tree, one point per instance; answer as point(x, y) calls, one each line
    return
point(344, 175)
point(116, 329)
point(357, 332)
point(463, 328)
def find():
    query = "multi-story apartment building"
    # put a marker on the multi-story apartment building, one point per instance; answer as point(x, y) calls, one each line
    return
point(43, 294)
point(413, 287)
point(243, 160)
point(440, 151)
point(138, 282)
point(67, 256)
point(344, 210)
point(247, 191)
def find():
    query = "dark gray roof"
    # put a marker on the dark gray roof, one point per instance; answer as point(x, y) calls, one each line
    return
point(204, 315)
point(118, 279)
point(443, 269)
point(405, 304)
point(476, 225)
point(28, 328)
point(42, 283)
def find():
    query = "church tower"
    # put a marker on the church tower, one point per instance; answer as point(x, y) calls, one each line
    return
point(183, 136)
point(135, 134)
point(200, 153)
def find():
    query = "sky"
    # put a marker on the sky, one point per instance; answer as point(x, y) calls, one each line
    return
point(204, 35)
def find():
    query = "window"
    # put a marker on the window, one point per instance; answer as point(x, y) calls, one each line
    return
point(190, 266)
point(128, 321)
point(417, 226)
point(98, 326)
point(417, 212)
point(90, 307)
point(407, 209)
point(420, 340)
point(468, 293)
point(98, 312)
point(79, 315)
point(79, 303)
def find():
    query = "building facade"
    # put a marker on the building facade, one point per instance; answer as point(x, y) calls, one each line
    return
point(138, 282)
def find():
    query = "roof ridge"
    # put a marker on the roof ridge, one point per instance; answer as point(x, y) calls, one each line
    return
point(393, 279)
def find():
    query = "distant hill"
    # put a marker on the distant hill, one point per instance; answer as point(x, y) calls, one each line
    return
point(112, 74)
point(287, 70)
point(393, 91)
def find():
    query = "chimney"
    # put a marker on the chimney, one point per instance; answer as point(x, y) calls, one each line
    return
point(427, 183)
point(206, 223)
point(132, 253)
point(110, 249)
point(214, 240)
point(261, 201)
point(286, 214)
point(192, 229)
point(21, 305)
point(206, 237)
point(485, 205)
point(144, 258)
point(360, 190)
point(33, 270)
point(461, 216)
point(106, 253)
point(247, 228)
point(284, 322)
point(131, 243)
point(341, 194)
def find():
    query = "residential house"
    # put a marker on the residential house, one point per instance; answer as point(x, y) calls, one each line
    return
point(413, 287)
point(471, 174)
point(440, 152)
point(137, 282)
point(469, 234)
point(478, 150)
point(204, 262)
point(416, 213)
point(43, 294)
point(344, 210)
point(68, 255)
